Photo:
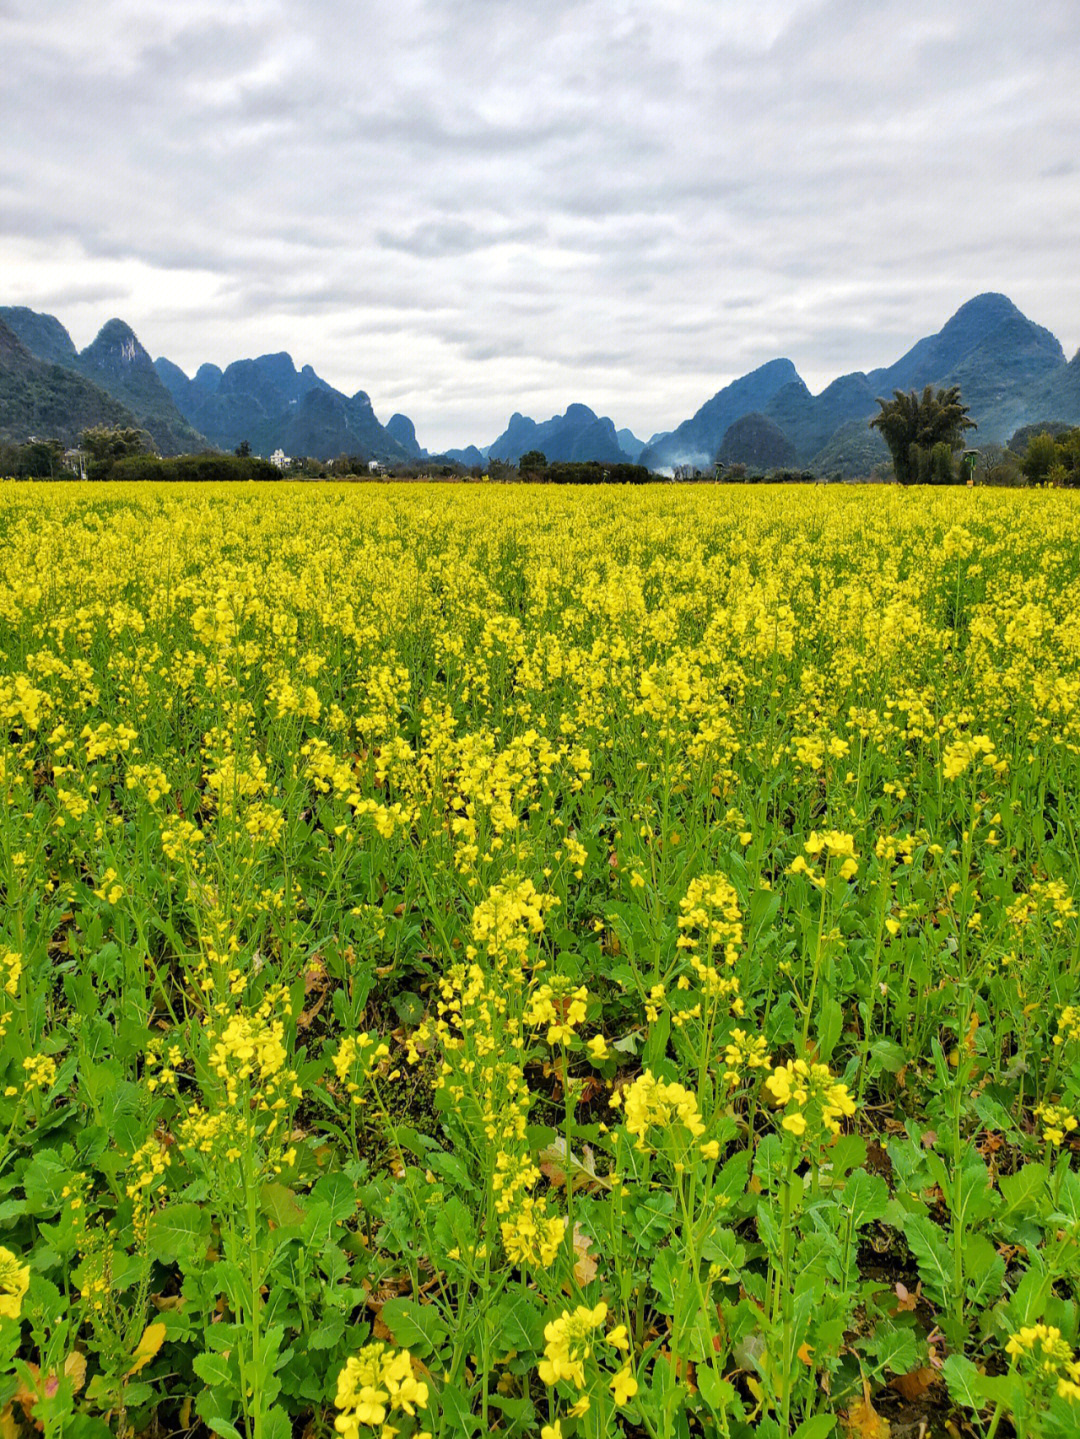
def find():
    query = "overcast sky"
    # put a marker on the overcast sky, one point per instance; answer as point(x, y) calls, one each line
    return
point(474, 207)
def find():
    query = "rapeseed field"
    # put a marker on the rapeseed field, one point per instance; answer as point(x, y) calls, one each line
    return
point(551, 963)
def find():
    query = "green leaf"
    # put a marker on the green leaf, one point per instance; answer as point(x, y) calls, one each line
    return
point(518, 1323)
point(665, 1274)
point(86, 1426)
point(830, 1025)
point(717, 1392)
point(931, 1250)
point(457, 1411)
point(865, 1196)
point(984, 1270)
point(218, 1424)
point(964, 1381)
point(281, 1205)
point(894, 1349)
point(276, 1424)
point(654, 1056)
point(179, 1234)
point(327, 1334)
point(816, 1427)
point(1020, 1190)
point(888, 1055)
point(1029, 1301)
point(338, 1194)
point(213, 1370)
point(414, 1326)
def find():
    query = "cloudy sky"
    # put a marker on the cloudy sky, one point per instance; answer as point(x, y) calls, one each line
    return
point(474, 207)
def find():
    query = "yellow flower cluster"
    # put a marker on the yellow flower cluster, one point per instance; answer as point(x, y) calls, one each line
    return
point(560, 1005)
point(710, 916)
point(508, 918)
point(650, 1102)
point(962, 753)
point(373, 1384)
point(146, 1166)
point(568, 1343)
point(14, 1282)
point(40, 1071)
point(10, 972)
point(1051, 1356)
point(355, 1059)
point(1068, 1024)
point(744, 1053)
point(832, 844)
point(533, 1236)
point(802, 1090)
point(1057, 1122)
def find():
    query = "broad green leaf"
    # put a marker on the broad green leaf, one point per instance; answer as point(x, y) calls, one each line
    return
point(964, 1381)
point(1023, 1189)
point(179, 1234)
point(865, 1197)
point(819, 1426)
point(213, 1369)
point(716, 1391)
point(418, 1327)
point(339, 1195)
point(931, 1250)
point(519, 1324)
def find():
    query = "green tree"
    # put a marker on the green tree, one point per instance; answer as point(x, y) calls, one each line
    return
point(1040, 458)
point(243, 450)
point(105, 446)
point(532, 463)
point(40, 460)
point(912, 425)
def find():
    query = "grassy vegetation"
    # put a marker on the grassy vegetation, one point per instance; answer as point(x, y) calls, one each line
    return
point(540, 962)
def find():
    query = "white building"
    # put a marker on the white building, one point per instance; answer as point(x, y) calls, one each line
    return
point(281, 459)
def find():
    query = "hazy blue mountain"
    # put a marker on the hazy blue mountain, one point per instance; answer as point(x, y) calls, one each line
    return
point(47, 400)
point(1010, 371)
point(1057, 395)
point(630, 445)
point(402, 429)
point(989, 320)
point(42, 335)
point(470, 456)
point(697, 440)
point(577, 436)
point(230, 405)
point(852, 452)
point(272, 405)
point(173, 378)
point(994, 353)
point(323, 424)
point(808, 421)
point(758, 443)
point(207, 376)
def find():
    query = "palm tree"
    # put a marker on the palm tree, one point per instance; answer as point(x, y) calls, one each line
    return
point(912, 425)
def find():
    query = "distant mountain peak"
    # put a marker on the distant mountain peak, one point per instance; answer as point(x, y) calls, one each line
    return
point(989, 306)
point(697, 441)
point(43, 335)
point(401, 428)
point(576, 436)
point(116, 345)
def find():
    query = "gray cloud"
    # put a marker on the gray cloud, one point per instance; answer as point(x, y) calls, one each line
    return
point(470, 209)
